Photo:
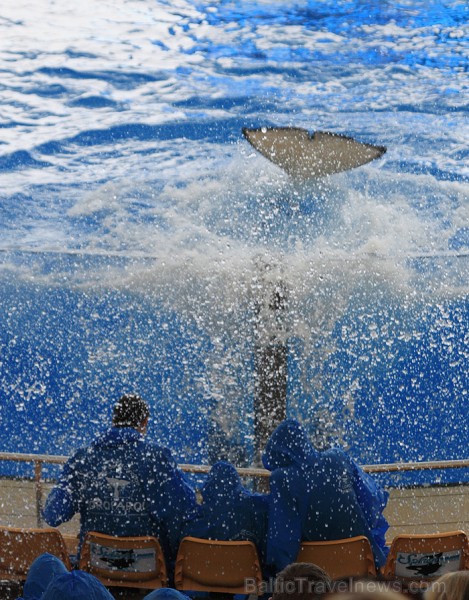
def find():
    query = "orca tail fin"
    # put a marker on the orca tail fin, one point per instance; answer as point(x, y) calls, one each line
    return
point(304, 156)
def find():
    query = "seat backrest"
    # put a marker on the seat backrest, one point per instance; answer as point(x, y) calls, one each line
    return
point(217, 566)
point(414, 557)
point(351, 557)
point(19, 547)
point(124, 561)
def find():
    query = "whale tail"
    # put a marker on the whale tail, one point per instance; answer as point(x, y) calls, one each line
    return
point(305, 156)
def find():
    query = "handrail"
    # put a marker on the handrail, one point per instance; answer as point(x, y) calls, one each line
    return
point(39, 459)
point(431, 465)
point(378, 468)
point(257, 472)
point(20, 457)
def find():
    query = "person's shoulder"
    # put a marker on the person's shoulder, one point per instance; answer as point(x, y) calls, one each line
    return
point(282, 475)
point(80, 458)
point(80, 453)
point(258, 500)
point(336, 457)
point(152, 450)
point(335, 453)
point(152, 446)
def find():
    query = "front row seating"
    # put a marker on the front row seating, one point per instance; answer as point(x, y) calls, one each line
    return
point(224, 566)
point(220, 566)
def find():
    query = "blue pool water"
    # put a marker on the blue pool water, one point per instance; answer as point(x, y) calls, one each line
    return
point(139, 232)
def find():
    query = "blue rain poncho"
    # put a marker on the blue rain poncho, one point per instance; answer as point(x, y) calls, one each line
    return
point(124, 486)
point(229, 511)
point(76, 585)
point(40, 574)
point(318, 496)
point(166, 594)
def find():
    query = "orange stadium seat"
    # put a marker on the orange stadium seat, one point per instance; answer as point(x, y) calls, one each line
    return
point(217, 566)
point(425, 557)
point(136, 562)
point(351, 557)
point(19, 547)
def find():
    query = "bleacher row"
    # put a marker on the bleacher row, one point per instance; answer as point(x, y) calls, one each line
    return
point(226, 566)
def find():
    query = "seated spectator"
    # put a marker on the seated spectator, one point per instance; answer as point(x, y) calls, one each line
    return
point(451, 586)
point(122, 485)
point(40, 574)
point(76, 585)
point(229, 511)
point(379, 593)
point(166, 594)
point(318, 496)
point(301, 581)
point(377, 584)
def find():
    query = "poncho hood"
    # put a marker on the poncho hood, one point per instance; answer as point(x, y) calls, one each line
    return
point(166, 594)
point(76, 585)
point(289, 445)
point(40, 574)
point(223, 482)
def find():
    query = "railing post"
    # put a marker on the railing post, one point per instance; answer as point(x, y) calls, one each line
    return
point(38, 488)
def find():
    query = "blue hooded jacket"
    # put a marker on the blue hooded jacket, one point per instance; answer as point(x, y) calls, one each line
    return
point(318, 496)
point(229, 511)
point(40, 574)
point(76, 585)
point(166, 594)
point(123, 486)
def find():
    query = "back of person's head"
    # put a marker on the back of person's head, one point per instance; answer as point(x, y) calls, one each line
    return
point(377, 594)
point(130, 411)
point(76, 585)
point(166, 594)
point(289, 445)
point(222, 482)
point(372, 588)
point(301, 581)
point(451, 586)
point(40, 574)
point(376, 587)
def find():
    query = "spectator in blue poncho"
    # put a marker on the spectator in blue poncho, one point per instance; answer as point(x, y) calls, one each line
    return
point(166, 594)
point(318, 496)
point(229, 511)
point(76, 585)
point(122, 485)
point(40, 574)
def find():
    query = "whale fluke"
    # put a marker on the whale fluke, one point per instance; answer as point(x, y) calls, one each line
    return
point(304, 156)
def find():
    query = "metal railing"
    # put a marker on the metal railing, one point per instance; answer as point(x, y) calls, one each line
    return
point(39, 459)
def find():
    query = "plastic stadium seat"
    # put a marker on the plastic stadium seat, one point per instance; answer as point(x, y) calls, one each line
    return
point(136, 562)
point(351, 557)
point(217, 566)
point(19, 547)
point(71, 543)
point(425, 557)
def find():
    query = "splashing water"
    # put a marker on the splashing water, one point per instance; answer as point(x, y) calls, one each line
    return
point(140, 233)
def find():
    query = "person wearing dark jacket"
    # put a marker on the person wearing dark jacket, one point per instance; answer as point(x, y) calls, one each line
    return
point(229, 511)
point(121, 485)
point(318, 496)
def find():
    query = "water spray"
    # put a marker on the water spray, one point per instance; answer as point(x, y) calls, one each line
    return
point(303, 156)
